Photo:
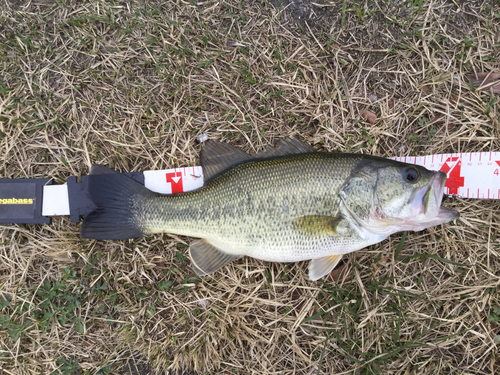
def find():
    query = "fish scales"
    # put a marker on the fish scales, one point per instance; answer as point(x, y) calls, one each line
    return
point(250, 208)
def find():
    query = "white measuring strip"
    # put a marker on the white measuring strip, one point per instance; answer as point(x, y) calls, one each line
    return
point(470, 175)
point(172, 181)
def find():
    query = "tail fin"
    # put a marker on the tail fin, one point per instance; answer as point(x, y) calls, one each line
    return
point(115, 196)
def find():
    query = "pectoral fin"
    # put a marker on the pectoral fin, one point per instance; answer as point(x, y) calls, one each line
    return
point(317, 225)
point(206, 258)
point(323, 266)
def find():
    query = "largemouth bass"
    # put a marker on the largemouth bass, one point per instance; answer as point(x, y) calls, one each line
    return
point(286, 204)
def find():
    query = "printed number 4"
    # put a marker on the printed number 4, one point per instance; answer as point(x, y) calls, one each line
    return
point(496, 172)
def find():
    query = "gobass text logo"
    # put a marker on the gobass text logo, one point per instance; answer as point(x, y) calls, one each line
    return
point(17, 201)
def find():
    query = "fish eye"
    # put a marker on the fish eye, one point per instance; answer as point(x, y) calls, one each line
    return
point(411, 175)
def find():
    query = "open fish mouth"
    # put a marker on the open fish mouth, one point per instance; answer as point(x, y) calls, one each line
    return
point(433, 193)
point(431, 198)
point(438, 187)
point(444, 213)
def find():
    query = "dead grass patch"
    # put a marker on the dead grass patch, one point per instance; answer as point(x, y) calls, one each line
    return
point(131, 84)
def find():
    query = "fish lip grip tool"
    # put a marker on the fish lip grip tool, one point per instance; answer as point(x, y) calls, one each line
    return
point(34, 201)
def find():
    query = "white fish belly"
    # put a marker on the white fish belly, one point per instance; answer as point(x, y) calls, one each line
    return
point(294, 248)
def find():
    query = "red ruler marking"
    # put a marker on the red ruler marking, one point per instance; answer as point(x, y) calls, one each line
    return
point(175, 182)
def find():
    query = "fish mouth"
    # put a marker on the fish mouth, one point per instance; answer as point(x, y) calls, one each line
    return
point(432, 197)
point(434, 192)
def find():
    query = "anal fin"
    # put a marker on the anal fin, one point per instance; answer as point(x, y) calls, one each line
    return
point(206, 258)
point(323, 266)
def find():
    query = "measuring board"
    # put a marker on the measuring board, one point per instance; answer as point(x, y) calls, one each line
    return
point(470, 175)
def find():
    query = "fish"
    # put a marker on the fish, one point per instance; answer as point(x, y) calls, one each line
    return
point(289, 203)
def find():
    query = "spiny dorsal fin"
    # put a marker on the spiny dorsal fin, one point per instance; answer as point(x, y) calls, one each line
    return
point(323, 266)
point(206, 258)
point(217, 156)
point(286, 146)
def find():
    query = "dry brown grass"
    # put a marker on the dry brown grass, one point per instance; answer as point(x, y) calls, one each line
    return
point(131, 84)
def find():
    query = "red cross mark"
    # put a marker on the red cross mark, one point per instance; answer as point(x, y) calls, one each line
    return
point(452, 167)
point(175, 181)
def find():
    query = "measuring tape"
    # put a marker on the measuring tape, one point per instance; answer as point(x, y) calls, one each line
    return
point(470, 175)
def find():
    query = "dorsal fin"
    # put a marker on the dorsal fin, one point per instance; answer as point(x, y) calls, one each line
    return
point(217, 156)
point(286, 146)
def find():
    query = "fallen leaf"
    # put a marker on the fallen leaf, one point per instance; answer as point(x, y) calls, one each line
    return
point(369, 116)
point(485, 81)
point(425, 88)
